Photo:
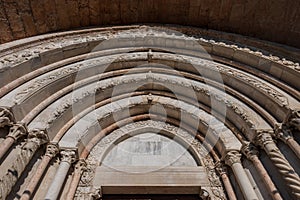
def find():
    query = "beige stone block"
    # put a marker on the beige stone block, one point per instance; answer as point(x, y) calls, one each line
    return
point(151, 180)
point(223, 51)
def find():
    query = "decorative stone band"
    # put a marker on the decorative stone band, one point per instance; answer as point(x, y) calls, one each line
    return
point(249, 150)
point(35, 139)
point(6, 117)
point(17, 131)
point(264, 139)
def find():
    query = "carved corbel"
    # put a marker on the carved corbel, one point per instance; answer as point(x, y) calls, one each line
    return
point(17, 131)
point(6, 117)
point(69, 155)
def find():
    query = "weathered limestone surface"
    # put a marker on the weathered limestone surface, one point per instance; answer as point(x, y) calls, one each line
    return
point(253, 18)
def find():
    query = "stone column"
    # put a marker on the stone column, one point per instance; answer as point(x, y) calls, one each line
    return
point(251, 153)
point(222, 171)
point(6, 117)
point(264, 139)
point(233, 159)
point(79, 169)
point(68, 157)
point(284, 133)
point(51, 152)
point(15, 132)
point(35, 140)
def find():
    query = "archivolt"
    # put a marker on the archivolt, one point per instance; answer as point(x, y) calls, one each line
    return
point(51, 87)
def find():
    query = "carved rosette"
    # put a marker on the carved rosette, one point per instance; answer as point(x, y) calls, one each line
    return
point(6, 117)
point(17, 131)
point(68, 155)
point(52, 150)
point(232, 157)
point(249, 150)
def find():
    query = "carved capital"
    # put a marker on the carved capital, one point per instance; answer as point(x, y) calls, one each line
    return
point(96, 193)
point(249, 150)
point(232, 157)
point(52, 150)
point(35, 139)
point(204, 194)
point(293, 121)
point(68, 155)
point(81, 165)
point(6, 117)
point(38, 136)
point(263, 137)
point(283, 133)
point(220, 168)
point(17, 131)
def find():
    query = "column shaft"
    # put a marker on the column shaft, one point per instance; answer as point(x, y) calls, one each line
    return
point(291, 178)
point(228, 187)
point(36, 178)
point(5, 146)
point(266, 178)
point(68, 157)
point(294, 146)
point(51, 152)
point(244, 182)
point(58, 181)
point(76, 178)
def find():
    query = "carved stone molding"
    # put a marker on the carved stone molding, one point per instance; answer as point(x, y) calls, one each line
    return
point(68, 155)
point(249, 150)
point(52, 150)
point(6, 117)
point(232, 157)
point(17, 131)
